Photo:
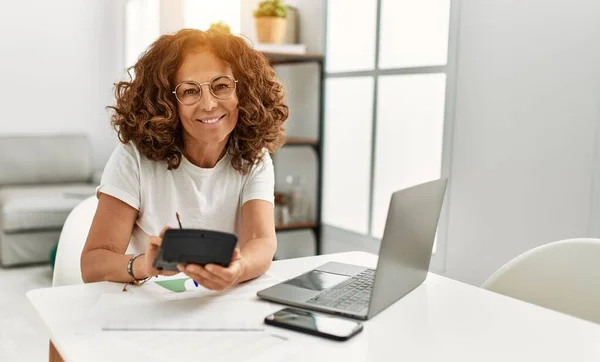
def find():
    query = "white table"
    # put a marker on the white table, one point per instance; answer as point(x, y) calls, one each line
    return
point(441, 320)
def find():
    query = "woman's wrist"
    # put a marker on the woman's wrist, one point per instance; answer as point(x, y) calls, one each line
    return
point(242, 274)
point(139, 267)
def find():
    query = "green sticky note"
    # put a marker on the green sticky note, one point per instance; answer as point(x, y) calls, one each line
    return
point(174, 285)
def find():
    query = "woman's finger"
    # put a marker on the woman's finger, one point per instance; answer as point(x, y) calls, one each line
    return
point(162, 232)
point(198, 270)
point(155, 241)
point(228, 274)
point(206, 274)
point(208, 284)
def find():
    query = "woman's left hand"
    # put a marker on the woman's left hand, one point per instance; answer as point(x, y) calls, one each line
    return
point(213, 276)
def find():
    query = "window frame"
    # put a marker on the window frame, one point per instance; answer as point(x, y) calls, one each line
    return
point(438, 262)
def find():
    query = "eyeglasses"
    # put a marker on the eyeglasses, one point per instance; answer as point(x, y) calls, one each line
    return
point(189, 92)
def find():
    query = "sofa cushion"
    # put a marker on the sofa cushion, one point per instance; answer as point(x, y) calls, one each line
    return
point(39, 159)
point(26, 248)
point(37, 207)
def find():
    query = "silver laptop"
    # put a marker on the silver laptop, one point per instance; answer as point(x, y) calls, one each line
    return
point(404, 256)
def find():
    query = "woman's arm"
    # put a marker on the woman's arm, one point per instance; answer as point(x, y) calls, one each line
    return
point(258, 242)
point(103, 257)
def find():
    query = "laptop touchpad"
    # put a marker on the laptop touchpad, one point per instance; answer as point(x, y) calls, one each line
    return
point(317, 280)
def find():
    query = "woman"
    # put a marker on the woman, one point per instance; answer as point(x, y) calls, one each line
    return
point(196, 125)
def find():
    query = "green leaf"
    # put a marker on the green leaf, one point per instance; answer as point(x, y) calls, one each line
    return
point(271, 8)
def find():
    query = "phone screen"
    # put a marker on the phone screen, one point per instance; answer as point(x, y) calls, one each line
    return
point(323, 324)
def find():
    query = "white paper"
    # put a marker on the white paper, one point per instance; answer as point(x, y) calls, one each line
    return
point(167, 346)
point(215, 346)
point(221, 312)
point(248, 289)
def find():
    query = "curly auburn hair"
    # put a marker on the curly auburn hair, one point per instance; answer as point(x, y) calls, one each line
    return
point(146, 109)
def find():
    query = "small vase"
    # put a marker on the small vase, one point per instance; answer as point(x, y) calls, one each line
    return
point(270, 29)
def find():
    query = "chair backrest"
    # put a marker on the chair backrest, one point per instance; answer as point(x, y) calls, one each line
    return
point(67, 266)
point(562, 275)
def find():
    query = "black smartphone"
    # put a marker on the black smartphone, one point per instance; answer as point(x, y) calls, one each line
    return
point(194, 246)
point(322, 325)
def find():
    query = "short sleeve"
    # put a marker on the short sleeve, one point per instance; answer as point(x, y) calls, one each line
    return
point(260, 184)
point(121, 176)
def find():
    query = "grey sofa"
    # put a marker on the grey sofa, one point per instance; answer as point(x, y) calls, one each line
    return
point(42, 178)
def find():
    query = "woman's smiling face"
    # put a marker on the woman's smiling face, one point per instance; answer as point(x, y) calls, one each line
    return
point(210, 120)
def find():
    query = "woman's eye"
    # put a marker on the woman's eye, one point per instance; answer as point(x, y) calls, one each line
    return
point(190, 91)
point(221, 87)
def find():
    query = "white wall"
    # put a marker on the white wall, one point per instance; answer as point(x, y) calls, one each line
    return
point(171, 15)
point(527, 116)
point(58, 65)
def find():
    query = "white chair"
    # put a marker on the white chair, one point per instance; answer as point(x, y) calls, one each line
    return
point(67, 266)
point(562, 275)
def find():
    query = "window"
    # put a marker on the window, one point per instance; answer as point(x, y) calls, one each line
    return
point(410, 124)
point(141, 27)
point(351, 47)
point(348, 126)
point(144, 21)
point(199, 14)
point(413, 33)
point(389, 89)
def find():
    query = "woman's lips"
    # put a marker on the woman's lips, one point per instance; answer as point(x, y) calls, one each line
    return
point(211, 120)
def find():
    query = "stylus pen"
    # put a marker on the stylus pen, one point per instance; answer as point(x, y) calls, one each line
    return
point(178, 219)
point(179, 222)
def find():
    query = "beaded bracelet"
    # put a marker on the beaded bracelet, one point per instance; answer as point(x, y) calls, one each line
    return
point(135, 280)
point(130, 265)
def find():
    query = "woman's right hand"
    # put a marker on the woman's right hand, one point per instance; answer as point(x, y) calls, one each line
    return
point(152, 249)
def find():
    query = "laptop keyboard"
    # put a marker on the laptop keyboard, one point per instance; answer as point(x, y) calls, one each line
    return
point(352, 295)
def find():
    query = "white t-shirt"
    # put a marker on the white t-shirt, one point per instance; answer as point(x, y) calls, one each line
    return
point(205, 198)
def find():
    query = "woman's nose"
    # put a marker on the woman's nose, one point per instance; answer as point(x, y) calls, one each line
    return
point(207, 101)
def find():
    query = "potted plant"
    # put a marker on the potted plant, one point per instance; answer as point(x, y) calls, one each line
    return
point(271, 19)
point(220, 26)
